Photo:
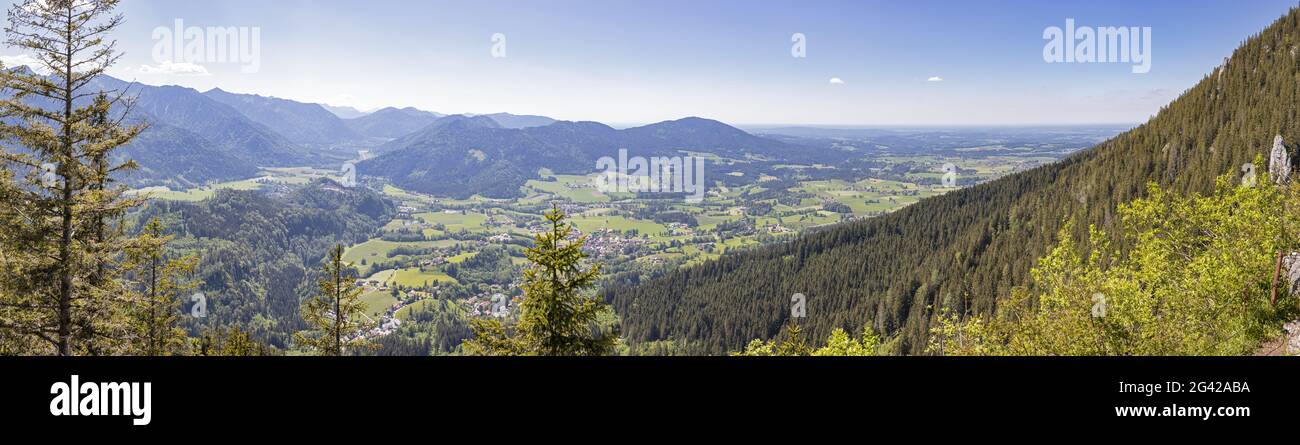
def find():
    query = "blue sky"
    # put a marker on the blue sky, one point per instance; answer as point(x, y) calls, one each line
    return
point(626, 61)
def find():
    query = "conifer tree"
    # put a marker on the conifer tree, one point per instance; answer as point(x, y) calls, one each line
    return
point(157, 312)
point(65, 241)
point(335, 316)
point(792, 345)
point(556, 317)
point(234, 342)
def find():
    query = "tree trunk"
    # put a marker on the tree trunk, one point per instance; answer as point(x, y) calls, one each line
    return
point(154, 344)
point(1277, 273)
point(338, 318)
point(65, 241)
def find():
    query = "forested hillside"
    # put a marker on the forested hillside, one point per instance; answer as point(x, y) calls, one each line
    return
point(963, 251)
point(259, 253)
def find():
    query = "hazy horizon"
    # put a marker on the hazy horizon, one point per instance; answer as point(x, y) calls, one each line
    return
point(927, 64)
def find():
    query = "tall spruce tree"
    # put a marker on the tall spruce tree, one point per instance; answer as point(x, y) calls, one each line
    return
point(157, 313)
point(65, 243)
point(336, 316)
point(556, 317)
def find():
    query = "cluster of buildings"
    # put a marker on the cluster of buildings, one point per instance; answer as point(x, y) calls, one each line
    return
point(609, 242)
point(494, 305)
point(680, 229)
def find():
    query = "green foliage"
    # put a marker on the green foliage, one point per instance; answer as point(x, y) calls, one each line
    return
point(335, 317)
point(260, 253)
point(556, 318)
point(840, 344)
point(155, 316)
point(793, 345)
point(233, 342)
point(491, 266)
point(63, 240)
point(1178, 276)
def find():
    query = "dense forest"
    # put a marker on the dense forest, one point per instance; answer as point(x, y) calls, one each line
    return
point(965, 251)
point(259, 254)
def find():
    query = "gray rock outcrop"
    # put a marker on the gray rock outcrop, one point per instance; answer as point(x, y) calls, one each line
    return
point(1279, 162)
point(1290, 279)
point(1292, 339)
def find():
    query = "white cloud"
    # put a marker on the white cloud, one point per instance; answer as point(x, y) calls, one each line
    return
point(837, 81)
point(934, 79)
point(24, 59)
point(167, 67)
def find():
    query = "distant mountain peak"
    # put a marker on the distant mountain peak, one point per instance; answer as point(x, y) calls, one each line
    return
point(392, 122)
point(518, 121)
point(300, 122)
point(344, 112)
point(475, 121)
point(696, 121)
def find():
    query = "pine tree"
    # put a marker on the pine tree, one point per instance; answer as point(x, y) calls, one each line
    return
point(556, 317)
point(793, 345)
point(101, 222)
point(238, 343)
point(66, 241)
point(157, 312)
point(335, 316)
point(234, 342)
point(13, 341)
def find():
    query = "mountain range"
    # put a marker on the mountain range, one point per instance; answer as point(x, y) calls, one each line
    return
point(389, 123)
point(517, 121)
point(197, 138)
point(177, 114)
point(344, 112)
point(460, 156)
point(202, 137)
point(301, 123)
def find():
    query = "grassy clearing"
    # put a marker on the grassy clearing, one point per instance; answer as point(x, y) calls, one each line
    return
point(377, 250)
point(377, 302)
point(198, 193)
point(589, 223)
point(472, 222)
point(572, 187)
point(413, 277)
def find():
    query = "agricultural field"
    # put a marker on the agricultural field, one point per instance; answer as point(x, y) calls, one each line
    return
point(267, 177)
point(455, 221)
point(378, 250)
point(414, 277)
point(377, 302)
point(572, 188)
point(589, 222)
